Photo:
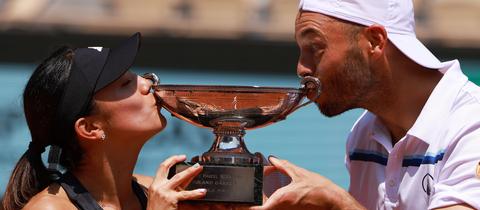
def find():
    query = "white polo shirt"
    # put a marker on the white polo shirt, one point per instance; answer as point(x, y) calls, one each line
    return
point(434, 164)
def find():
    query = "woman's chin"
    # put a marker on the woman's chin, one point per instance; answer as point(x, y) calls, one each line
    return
point(161, 128)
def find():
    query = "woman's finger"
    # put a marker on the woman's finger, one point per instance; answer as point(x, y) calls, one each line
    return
point(184, 177)
point(185, 184)
point(191, 194)
point(164, 167)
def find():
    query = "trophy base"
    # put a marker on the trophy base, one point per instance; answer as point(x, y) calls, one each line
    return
point(236, 184)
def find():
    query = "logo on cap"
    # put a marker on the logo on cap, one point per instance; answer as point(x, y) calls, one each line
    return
point(99, 49)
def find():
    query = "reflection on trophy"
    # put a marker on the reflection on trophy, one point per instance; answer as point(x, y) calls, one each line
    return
point(230, 172)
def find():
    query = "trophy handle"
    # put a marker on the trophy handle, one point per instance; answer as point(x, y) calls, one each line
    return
point(309, 85)
point(152, 77)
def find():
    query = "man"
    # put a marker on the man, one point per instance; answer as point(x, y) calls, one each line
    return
point(417, 145)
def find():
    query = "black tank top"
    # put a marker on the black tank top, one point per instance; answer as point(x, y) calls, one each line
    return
point(83, 200)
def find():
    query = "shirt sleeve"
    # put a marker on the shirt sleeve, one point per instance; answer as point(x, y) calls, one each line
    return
point(458, 180)
point(353, 135)
point(347, 152)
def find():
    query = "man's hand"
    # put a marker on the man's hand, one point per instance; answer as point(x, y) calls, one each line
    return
point(307, 190)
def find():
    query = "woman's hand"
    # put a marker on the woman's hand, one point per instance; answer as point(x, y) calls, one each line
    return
point(165, 193)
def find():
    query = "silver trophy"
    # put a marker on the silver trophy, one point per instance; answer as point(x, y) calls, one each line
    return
point(231, 173)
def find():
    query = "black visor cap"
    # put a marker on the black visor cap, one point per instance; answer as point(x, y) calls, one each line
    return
point(93, 68)
point(119, 60)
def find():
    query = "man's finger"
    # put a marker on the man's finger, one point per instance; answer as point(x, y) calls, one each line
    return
point(162, 171)
point(256, 208)
point(267, 170)
point(285, 167)
point(185, 177)
point(273, 201)
point(264, 198)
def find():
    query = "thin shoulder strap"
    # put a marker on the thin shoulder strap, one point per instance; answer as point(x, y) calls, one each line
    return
point(141, 195)
point(83, 200)
point(80, 197)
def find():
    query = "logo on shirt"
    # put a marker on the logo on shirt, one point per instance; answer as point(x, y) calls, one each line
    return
point(427, 182)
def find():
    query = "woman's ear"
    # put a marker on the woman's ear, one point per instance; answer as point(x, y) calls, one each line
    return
point(89, 129)
point(377, 38)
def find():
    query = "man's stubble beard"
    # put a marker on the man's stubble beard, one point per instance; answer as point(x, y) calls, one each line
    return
point(349, 88)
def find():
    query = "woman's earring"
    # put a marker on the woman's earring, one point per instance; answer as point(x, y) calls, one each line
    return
point(103, 137)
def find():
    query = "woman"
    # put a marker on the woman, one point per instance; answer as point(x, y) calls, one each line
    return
point(95, 116)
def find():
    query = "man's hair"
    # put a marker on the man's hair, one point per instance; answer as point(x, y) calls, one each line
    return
point(352, 29)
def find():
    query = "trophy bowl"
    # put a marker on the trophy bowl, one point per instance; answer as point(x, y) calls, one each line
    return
point(209, 106)
point(231, 173)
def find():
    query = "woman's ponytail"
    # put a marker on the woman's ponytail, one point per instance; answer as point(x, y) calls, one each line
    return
point(40, 100)
point(28, 178)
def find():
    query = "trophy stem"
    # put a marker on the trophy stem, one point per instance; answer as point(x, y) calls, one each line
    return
point(229, 147)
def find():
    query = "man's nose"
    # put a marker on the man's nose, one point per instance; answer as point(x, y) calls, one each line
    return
point(304, 68)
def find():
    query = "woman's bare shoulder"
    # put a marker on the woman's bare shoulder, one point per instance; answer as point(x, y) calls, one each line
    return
point(143, 180)
point(51, 198)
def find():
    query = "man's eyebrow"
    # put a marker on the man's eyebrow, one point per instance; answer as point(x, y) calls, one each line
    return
point(310, 30)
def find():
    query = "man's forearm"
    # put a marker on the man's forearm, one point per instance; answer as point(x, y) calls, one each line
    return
point(342, 200)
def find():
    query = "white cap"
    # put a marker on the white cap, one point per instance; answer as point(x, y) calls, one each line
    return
point(395, 15)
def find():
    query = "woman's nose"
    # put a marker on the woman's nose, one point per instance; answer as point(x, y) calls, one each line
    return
point(145, 85)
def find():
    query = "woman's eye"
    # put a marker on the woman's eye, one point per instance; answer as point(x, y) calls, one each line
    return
point(126, 83)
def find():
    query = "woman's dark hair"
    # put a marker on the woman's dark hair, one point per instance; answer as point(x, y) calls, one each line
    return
point(41, 98)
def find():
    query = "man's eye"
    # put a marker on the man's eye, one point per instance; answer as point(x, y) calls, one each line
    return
point(316, 51)
point(316, 48)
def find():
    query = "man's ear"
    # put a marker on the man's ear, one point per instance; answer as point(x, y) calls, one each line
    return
point(88, 129)
point(377, 38)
